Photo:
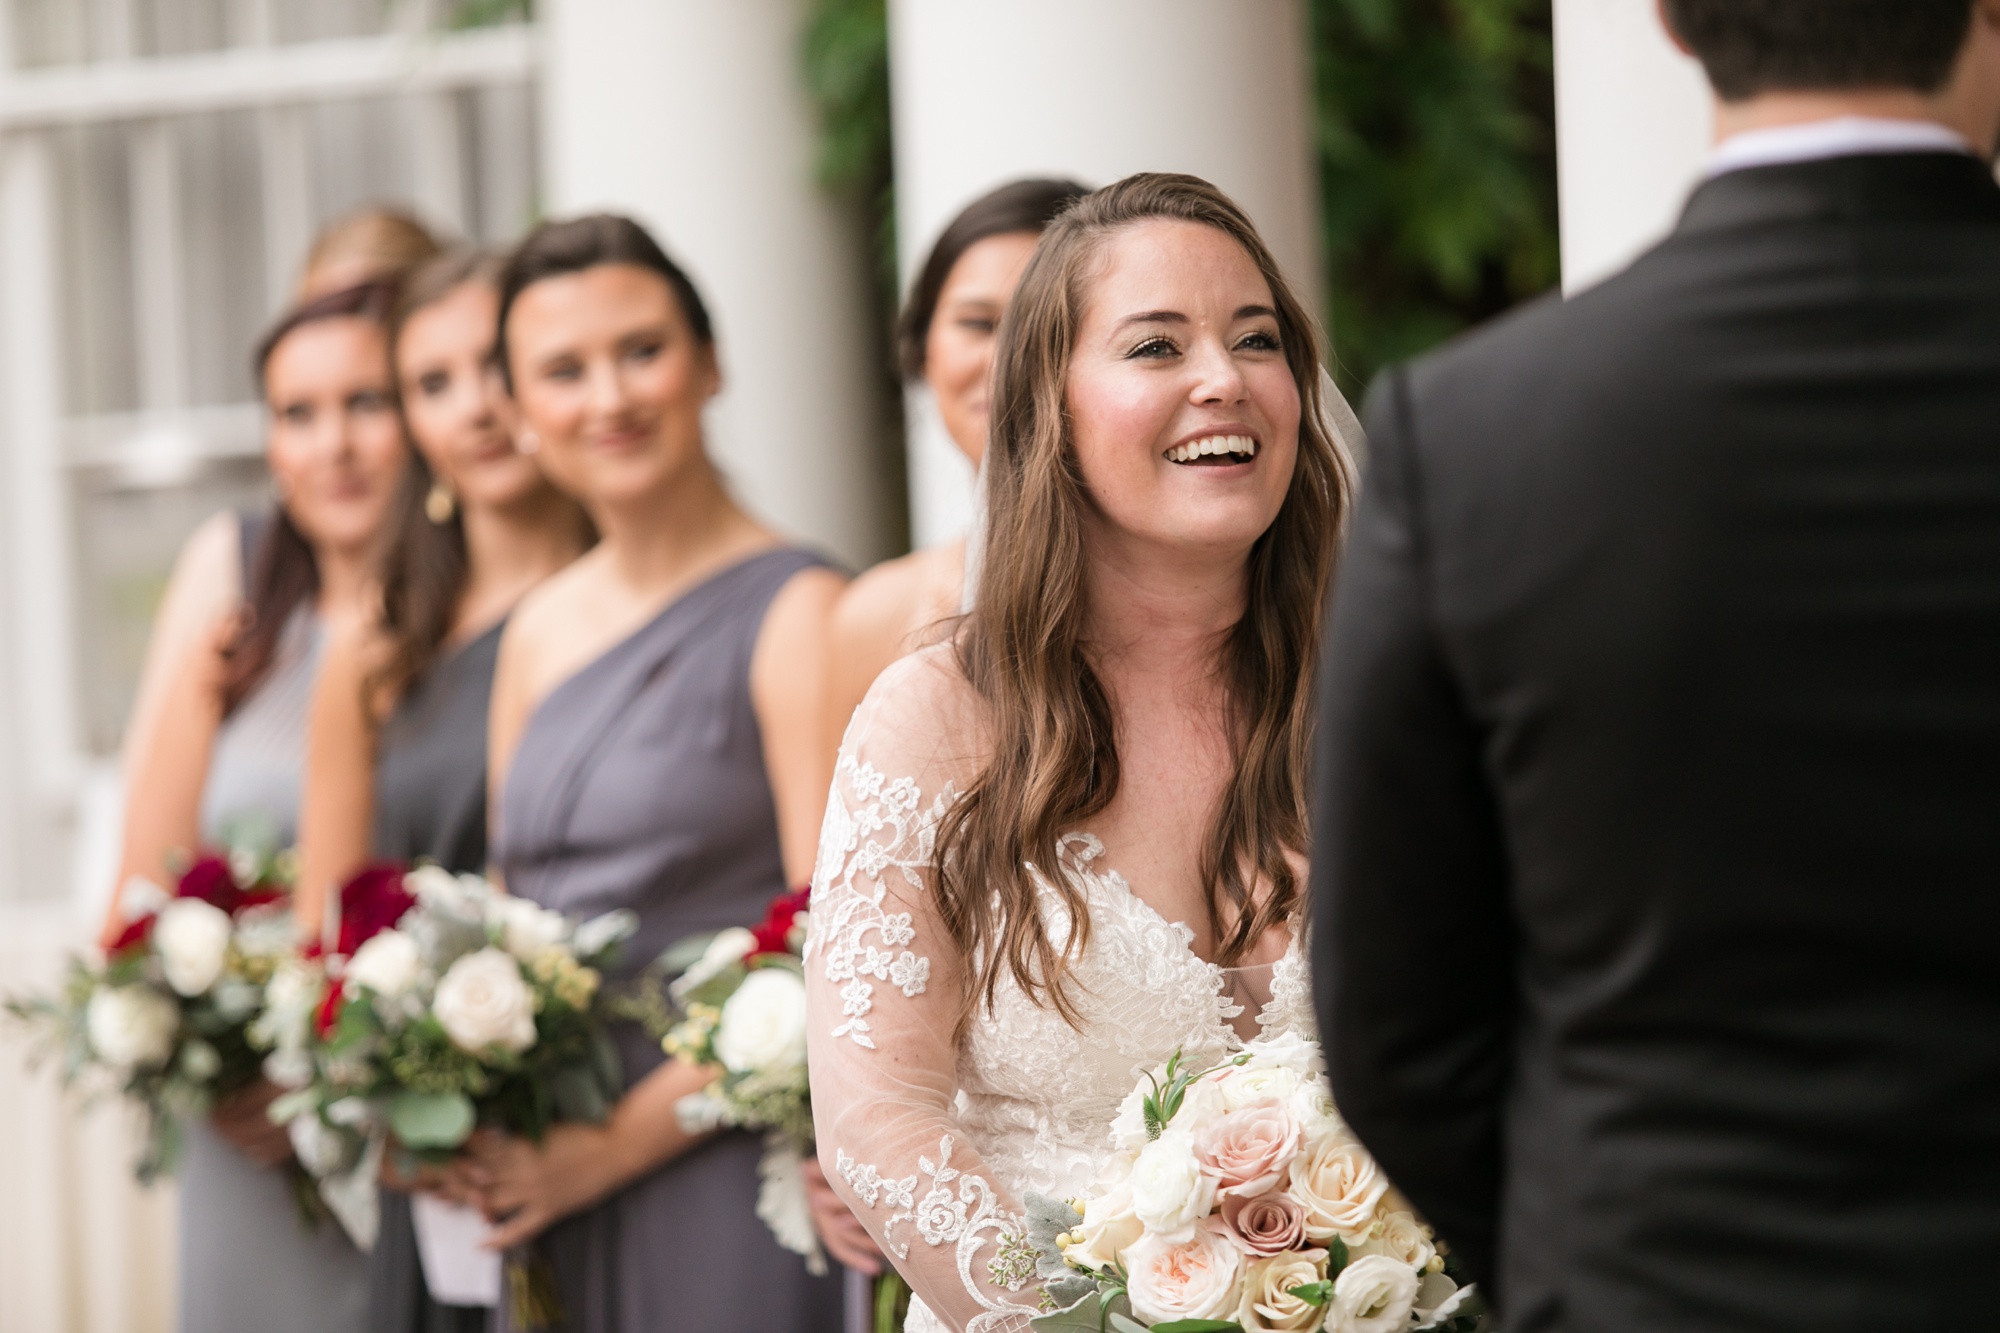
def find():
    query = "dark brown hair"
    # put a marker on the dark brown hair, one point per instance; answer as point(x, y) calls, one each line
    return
point(1755, 46)
point(284, 574)
point(424, 564)
point(1019, 206)
point(573, 245)
point(1055, 755)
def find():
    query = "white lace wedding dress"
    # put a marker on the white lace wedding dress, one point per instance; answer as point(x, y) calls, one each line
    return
point(932, 1144)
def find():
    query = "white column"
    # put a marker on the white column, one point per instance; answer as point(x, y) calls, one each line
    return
point(1633, 125)
point(984, 93)
point(689, 115)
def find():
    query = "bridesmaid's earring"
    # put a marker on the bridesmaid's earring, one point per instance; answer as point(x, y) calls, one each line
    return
point(439, 504)
point(529, 442)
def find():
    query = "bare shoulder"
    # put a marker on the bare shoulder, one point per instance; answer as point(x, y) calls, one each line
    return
point(546, 620)
point(889, 608)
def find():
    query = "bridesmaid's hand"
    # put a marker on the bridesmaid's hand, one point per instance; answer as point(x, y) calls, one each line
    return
point(839, 1230)
point(453, 1181)
point(525, 1188)
point(243, 1120)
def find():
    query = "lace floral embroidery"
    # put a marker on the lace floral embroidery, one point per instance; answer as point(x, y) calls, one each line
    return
point(967, 1217)
point(879, 828)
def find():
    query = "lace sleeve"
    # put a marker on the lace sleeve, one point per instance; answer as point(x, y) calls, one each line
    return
point(884, 982)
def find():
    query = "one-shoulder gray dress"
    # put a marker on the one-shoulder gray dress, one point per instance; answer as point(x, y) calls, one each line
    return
point(640, 783)
point(247, 1265)
point(430, 805)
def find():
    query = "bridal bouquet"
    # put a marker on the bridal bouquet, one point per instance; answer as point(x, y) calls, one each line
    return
point(1238, 1201)
point(168, 1014)
point(742, 998)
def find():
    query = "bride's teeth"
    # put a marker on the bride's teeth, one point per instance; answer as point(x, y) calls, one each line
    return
point(1214, 446)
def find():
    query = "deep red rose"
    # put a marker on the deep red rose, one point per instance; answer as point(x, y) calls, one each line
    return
point(370, 903)
point(329, 1009)
point(771, 933)
point(210, 879)
point(135, 933)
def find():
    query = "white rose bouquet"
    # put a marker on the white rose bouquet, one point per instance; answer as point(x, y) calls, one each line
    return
point(741, 996)
point(1237, 1201)
point(168, 1014)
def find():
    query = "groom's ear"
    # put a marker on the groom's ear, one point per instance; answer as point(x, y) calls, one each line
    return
point(1664, 9)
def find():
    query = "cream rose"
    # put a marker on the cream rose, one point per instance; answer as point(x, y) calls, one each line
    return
point(764, 1023)
point(1339, 1186)
point(387, 963)
point(527, 929)
point(1268, 1305)
point(192, 940)
point(1373, 1294)
point(1108, 1229)
point(1128, 1129)
point(1247, 1151)
point(1258, 1083)
point(1402, 1238)
point(1266, 1225)
point(483, 1003)
point(131, 1027)
point(1198, 1278)
point(1170, 1191)
point(1287, 1050)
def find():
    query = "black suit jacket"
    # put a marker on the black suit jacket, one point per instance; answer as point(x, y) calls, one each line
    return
point(1657, 866)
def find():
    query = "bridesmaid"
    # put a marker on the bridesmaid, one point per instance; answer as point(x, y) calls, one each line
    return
point(222, 763)
point(397, 754)
point(655, 746)
point(945, 339)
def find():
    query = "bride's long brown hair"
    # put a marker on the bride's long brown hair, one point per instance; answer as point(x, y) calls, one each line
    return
point(1055, 754)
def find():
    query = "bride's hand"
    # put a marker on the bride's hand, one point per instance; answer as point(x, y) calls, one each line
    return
point(525, 1188)
point(839, 1230)
point(243, 1120)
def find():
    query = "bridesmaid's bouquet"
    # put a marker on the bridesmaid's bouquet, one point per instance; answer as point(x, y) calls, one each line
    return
point(1238, 1202)
point(742, 997)
point(167, 1015)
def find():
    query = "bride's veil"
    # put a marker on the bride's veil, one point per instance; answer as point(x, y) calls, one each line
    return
point(1336, 415)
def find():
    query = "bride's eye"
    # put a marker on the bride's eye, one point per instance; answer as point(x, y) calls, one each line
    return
point(1261, 341)
point(1152, 349)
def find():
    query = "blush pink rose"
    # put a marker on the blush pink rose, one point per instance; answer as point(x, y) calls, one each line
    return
point(1247, 1151)
point(1266, 1225)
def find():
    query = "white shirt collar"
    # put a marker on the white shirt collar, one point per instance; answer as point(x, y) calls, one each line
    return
point(1842, 136)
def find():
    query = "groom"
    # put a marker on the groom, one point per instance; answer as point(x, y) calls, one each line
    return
point(1657, 864)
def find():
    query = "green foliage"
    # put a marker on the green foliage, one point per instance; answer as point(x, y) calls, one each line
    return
point(1437, 164)
point(463, 14)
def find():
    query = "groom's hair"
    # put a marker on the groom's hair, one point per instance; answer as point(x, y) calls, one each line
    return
point(1758, 46)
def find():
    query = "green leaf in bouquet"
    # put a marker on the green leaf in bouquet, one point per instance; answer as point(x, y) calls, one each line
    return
point(578, 1095)
point(1336, 1256)
point(1086, 1316)
point(1048, 1219)
point(1184, 1326)
point(431, 1120)
point(681, 955)
point(1312, 1293)
point(606, 1063)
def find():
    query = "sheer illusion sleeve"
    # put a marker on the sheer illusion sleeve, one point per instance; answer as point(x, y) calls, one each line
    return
point(884, 982)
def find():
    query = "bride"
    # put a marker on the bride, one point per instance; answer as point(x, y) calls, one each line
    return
point(1056, 841)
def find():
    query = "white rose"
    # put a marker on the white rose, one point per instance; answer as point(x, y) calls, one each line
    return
point(1373, 1294)
point(482, 1002)
point(131, 1026)
point(1128, 1130)
point(387, 963)
point(1257, 1083)
point(320, 1149)
point(528, 929)
point(729, 947)
point(1314, 1107)
point(434, 884)
point(1287, 1050)
point(1402, 1238)
point(1268, 1305)
point(763, 1024)
point(1170, 1193)
point(1108, 1229)
point(1198, 1278)
point(192, 940)
point(141, 898)
point(1202, 1103)
point(1339, 1185)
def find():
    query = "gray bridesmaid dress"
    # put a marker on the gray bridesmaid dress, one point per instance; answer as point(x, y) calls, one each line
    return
point(640, 783)
point(430, 805)
point(247, 1265)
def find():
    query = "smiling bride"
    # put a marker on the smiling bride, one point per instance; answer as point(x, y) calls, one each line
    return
point(1069, 841)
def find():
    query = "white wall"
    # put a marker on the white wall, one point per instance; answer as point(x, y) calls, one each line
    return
point(1633, 125)
point(688, 114)
point(986, 92)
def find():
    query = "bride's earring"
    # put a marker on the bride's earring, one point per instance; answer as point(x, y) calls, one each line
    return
point(440, 504)
point(528, 442)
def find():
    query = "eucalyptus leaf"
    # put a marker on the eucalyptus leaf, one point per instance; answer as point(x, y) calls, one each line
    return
point(1194, 1326)
point(431, 1120)
point(578, 1095)
point(1082, 1317)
